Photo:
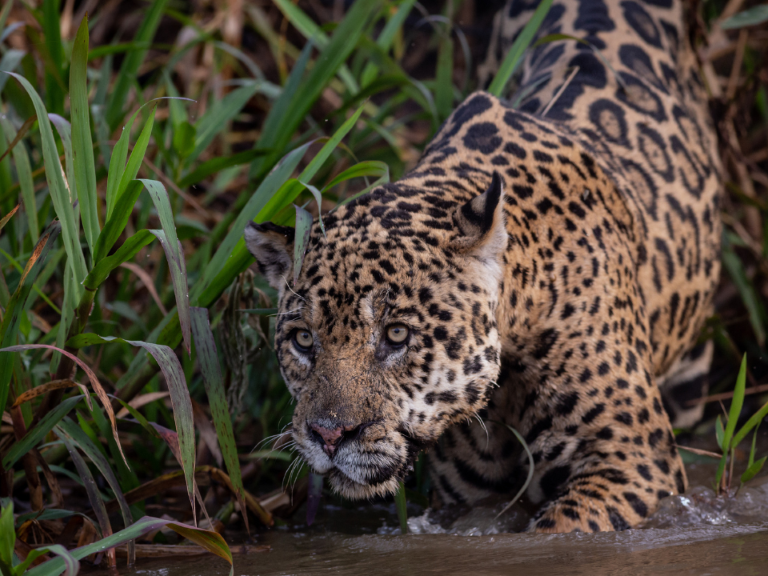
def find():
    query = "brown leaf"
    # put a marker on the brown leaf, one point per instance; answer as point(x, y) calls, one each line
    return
point(47, 387)
point(142, 400)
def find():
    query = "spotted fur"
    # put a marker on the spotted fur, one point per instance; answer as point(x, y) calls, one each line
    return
point(553, 265)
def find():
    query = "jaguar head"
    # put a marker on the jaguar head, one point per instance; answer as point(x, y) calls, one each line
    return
point(389, 334)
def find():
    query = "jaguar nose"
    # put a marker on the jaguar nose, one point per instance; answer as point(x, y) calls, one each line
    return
point(331, 438)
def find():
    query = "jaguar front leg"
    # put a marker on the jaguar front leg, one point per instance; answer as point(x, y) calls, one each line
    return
point(603, 445)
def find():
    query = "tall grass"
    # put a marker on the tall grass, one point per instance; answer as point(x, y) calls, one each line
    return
point(117, 338)
point(136, 371)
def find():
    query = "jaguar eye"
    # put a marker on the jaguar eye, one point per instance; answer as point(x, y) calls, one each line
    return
point(303, 340)
point(397, 334)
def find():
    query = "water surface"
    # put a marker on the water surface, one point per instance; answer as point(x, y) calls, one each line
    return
point(695, 533)
point(692, 534)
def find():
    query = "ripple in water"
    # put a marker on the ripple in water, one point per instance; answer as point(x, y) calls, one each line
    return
point(698, 507)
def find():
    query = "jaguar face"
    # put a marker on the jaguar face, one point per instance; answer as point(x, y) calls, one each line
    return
point(382, 341)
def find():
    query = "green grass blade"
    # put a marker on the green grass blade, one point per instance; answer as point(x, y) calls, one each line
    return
point(132, 62)
point(237, 262)
point(117, 222)
point(217, 165)
point(216, 119)
point(751, 17)
point(184, 136)
point(68, 307)
point(94, 497)
point(527, 483)
point(54, 90)
point(174, 253)
point(126, 252)
point(176, 110)
point(303, 228)
point(319, 200)
point(4, 14)
point(383, 179)
point(753, 469)
point(333, 142)
point(736, 403)
point(35, 435)
point(168, 325)
point(374, 168)
point(444, 77)
point(85, 167)
point(259, 311)
point(117, 165)
point(338, 49)
point(253, 207)
point(121, 48)
point(515, 55)
point(64, 129)
point(213, 379)
point(72, 565)
point(211, 541)
point(65, 561)
point(18, 303)
point(290, 190)
point(26, 183)
point(180, 399)
point(753, 422)
point(7, 537)
point(314, 33)
point(102, 86)
point(277, 116)
point(386, 38)
point(402, 508)
point(8, 63)
point(243, 57)
point(126, 477)
point(411, 87)
point(58, 191)
point(177, 267)
point(719, 432)
point(752, 449)
point(137, 155)
point(80, 439)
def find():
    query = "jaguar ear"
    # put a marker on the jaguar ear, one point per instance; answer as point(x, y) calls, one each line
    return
point(481, 223)
point(272, 246)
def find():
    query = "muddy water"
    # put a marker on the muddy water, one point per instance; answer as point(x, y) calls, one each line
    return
point(691, 534)
point(734, 551)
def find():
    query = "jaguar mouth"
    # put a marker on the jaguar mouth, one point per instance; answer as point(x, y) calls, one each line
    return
point(365, 473)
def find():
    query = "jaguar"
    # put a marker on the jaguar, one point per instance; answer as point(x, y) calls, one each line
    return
point(547, 265)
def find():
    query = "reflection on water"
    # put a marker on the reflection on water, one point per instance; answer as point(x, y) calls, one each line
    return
point(695, 533)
